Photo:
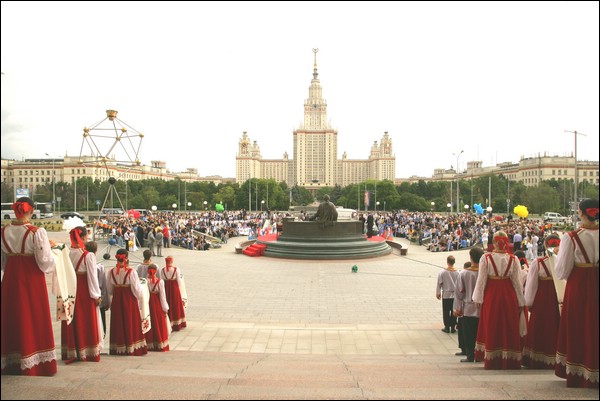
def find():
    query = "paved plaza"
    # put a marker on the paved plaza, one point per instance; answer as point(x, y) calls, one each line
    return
point(267, 328)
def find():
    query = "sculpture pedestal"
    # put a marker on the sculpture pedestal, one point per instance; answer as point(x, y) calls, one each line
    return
point(324, 240)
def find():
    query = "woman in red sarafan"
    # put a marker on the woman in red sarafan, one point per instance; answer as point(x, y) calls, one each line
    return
point(500, 293)
point(539, 351)
point(125, 289)
point(81, 339)
point(176, 294)
point(27, 338)
point(157, 337)
point(577, 347)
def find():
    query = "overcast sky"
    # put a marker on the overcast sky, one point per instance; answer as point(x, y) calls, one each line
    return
point(499, 80)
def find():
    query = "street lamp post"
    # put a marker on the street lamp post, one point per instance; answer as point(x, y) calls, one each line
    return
point(457, 185)
point(174, 207)
point(262, 203)
point(489, 210)
point(376, 205)
point(466, 208)
point(205, 203)
point(384, 206)
point(53, 186)
point(508, 197)
point(432, 206)
point(449, 204)
point(451, 197)
point(189, 205)
point(576, 178)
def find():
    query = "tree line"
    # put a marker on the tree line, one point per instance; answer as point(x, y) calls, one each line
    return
point(260, 194)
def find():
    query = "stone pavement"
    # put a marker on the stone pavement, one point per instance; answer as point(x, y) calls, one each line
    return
point(267, 328)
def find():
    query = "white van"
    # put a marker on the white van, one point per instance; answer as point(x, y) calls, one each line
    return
point(346, 214)
point(553, 217)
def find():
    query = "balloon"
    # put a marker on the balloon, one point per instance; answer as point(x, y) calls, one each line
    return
point(219, 207)
point(134, 213)
point(521, 211)
point(478, 208)
point(112, 241)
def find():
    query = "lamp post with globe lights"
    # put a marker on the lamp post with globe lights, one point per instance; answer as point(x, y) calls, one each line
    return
point(205, 203)
point(53, 186)
point(457, 185)
point(432, 206)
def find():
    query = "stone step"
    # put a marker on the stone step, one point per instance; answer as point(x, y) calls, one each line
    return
point(222, 375)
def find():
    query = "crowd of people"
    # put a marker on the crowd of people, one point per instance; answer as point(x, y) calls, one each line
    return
point(510, 313)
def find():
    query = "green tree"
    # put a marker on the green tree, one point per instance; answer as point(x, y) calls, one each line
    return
point(226, 195)
point(413, 202)
point(541, 199)
point(589, 191)
point(150, 197)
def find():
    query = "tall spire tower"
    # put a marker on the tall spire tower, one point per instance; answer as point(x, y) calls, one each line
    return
point(315, 142)
point(315, 107)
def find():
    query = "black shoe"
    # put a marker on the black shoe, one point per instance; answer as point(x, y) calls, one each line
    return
point(467, 360)
point(453, 331)
point(460, 353)
point(446, 330)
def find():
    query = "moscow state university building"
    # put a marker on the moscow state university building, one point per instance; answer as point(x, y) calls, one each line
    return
point(314, 162)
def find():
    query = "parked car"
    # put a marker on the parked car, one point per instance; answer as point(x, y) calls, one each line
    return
point(555, 218)
point(112, 211)
point(66, 215)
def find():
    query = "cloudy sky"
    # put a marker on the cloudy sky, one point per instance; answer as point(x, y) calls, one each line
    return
point(499, 80)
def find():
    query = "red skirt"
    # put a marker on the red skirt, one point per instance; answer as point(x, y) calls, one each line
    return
point(498, 341)
point(27, 338)
point(577, 347)
point(539, 351)
point(157, 337)
point(176, 309)
point(80, 340)
point(126, 337)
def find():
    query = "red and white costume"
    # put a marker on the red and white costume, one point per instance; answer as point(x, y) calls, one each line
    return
point(577, 347)
point(500, 293)
point(81, 339)
point(539, 351)
point(27, 338)
point(157, 337)
point(176, 296)
point(125, 289)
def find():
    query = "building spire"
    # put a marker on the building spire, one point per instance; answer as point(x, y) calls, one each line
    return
point(315, 73)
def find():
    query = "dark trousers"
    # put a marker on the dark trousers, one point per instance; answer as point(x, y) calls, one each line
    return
point(103, 317)
point(461, 333)
point(449, 318)
point(469, 326)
